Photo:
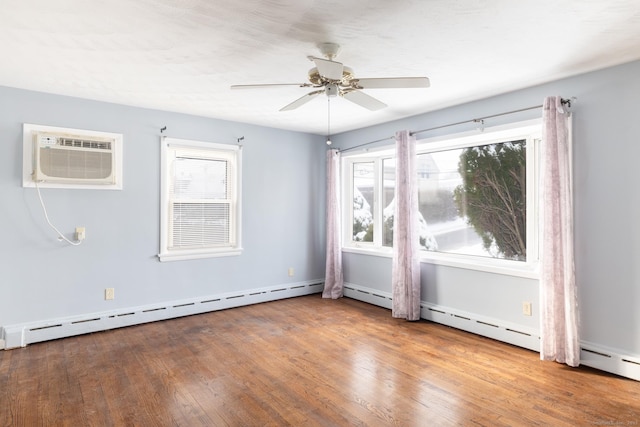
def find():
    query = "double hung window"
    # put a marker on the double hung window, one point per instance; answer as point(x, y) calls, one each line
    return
point(200, 200)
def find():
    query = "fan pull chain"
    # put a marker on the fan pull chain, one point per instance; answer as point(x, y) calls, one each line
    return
point(328, 121)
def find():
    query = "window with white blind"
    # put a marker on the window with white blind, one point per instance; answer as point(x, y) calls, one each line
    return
point(200, 206)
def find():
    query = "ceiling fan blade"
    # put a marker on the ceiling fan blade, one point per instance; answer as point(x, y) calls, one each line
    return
point(331, 70)
point(363, 100)
point(270, 85)
point(302, 100)
point(391, 83)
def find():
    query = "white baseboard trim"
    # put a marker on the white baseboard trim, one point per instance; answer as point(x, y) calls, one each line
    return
point(592, 355)
point(496, 329)
point(372, 296)
point(22, 334)
point(489, 327)
point(610, 360)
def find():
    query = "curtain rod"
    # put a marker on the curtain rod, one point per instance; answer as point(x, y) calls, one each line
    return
point(366, 143)
point(478, 120)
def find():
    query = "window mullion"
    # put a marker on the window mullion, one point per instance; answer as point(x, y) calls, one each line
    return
point(377, 203)
point(533, 205)
point(347, 202)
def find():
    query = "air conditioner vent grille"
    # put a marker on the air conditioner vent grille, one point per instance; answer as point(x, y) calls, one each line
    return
point(84, 143)
point(75, 165)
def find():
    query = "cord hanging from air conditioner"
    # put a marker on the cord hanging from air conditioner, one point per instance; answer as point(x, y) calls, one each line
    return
point(46, 216)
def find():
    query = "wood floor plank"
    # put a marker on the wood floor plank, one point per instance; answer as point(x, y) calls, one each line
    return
point(301, 361)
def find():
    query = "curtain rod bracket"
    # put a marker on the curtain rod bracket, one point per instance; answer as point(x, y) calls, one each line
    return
point(162, 129)
point(480, 123)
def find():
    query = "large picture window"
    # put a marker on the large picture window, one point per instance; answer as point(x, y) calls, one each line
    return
point(476, 195)
point(200, 200)
point(474, 199)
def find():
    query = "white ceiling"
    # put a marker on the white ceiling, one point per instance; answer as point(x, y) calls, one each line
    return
point(183, 55)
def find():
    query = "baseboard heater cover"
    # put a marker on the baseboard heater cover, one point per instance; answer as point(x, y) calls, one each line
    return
point(592, 355)
point(470, 322)
point(610, 360)
point(21, 335)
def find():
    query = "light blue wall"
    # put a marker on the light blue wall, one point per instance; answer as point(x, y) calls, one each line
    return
point(607, 209)
point(41, 278)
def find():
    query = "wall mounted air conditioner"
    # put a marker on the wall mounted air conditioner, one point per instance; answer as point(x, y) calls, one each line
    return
point(72, 158)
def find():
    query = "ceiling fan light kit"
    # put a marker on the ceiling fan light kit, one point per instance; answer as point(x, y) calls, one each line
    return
point(335, 79)
point(331, 90)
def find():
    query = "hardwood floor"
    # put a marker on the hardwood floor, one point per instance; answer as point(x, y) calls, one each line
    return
point(301, 362)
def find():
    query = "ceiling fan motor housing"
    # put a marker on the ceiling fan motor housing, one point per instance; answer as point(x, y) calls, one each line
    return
point(316, 79)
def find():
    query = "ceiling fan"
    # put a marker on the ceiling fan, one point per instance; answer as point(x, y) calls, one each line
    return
point(335, 79)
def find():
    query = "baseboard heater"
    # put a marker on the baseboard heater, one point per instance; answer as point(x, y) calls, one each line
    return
point(470, 322)
point(592, 355)
point(20, 335)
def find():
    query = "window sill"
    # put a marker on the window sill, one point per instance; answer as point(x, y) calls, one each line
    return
point(369, 250)
point(485, 264)
point(187, 255)
point(488, 265)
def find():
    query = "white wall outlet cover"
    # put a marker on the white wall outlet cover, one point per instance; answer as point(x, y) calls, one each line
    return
point(526, 308)
point(80, 233)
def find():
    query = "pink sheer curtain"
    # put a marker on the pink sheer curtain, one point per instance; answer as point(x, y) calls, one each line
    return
point(333, 282)
point(558, 296)
point(406, 246)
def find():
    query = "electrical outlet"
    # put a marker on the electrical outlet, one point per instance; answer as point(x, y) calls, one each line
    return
point(109, 293)
point(526, 308)
point(290, 271)
point(80, 234)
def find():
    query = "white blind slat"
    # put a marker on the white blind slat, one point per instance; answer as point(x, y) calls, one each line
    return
point(197, 225)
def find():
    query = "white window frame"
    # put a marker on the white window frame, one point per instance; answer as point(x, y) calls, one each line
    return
point(530, 130)
point(226, 152)
point(377, 203)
